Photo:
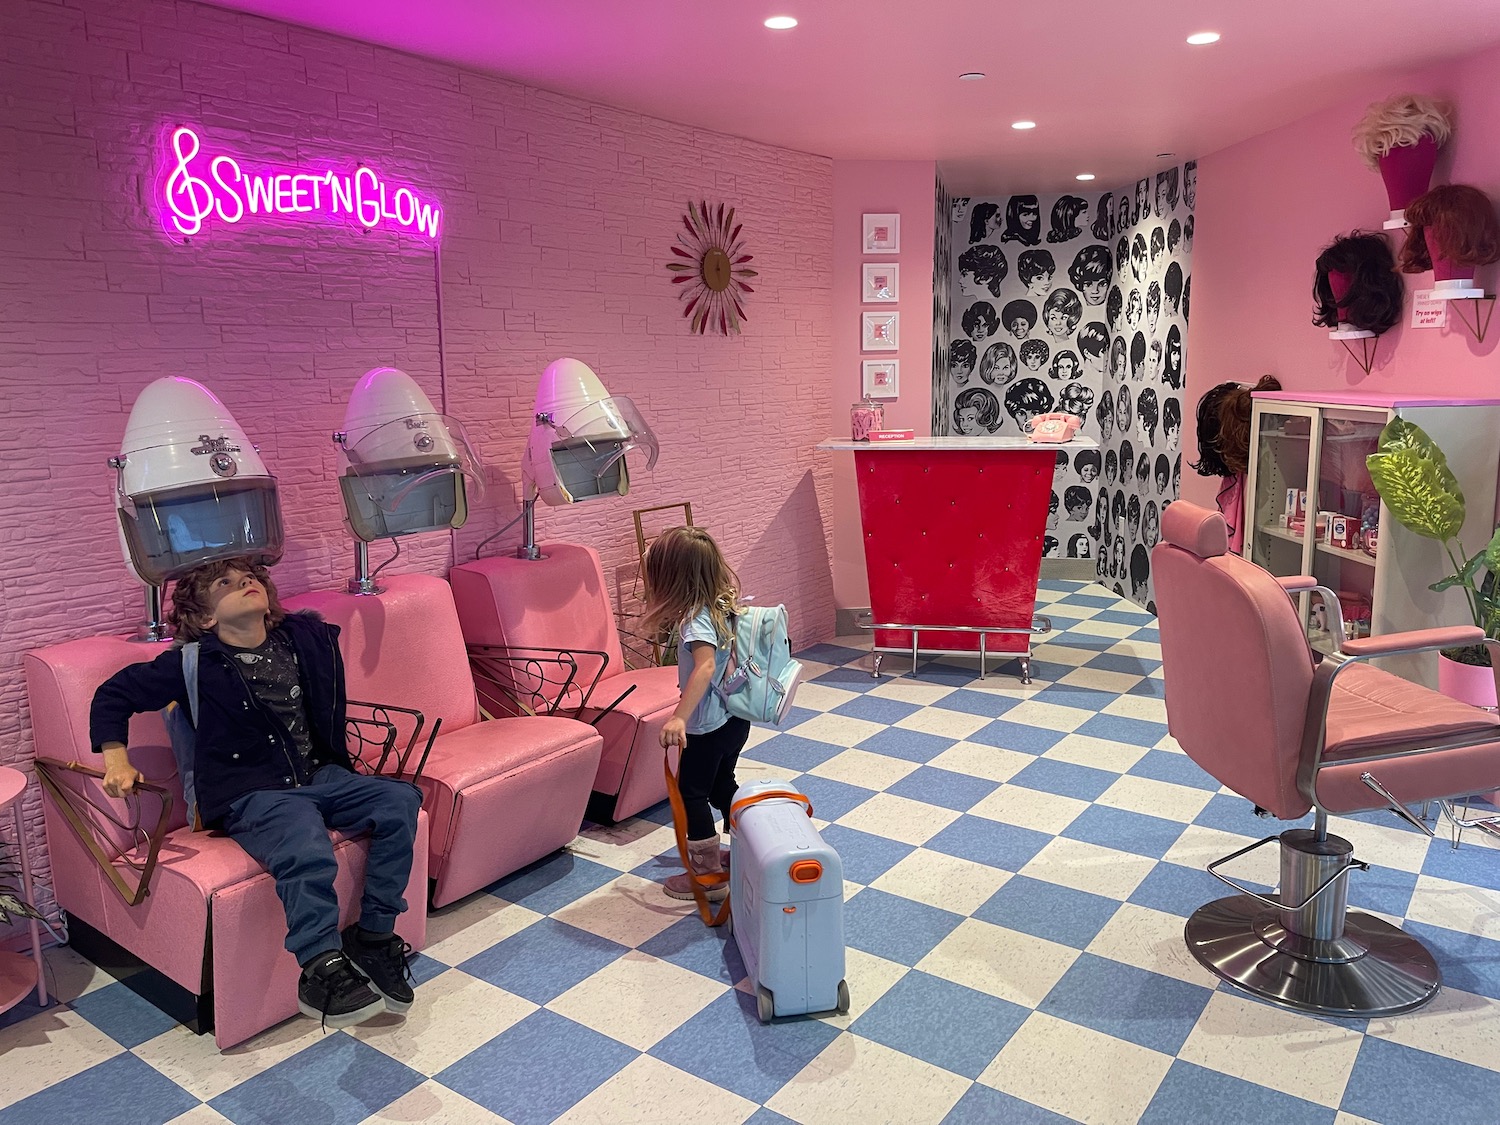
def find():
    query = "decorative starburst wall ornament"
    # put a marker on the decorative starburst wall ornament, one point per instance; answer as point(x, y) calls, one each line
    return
point(711, 275)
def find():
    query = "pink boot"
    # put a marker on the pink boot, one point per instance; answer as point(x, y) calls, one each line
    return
point(705, 859)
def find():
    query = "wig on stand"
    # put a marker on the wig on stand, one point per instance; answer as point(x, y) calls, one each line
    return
point(1224, 446)
point(1400, 137)
point(1356, 284)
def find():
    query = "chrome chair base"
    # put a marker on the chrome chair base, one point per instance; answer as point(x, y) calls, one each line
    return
point(1372, 969)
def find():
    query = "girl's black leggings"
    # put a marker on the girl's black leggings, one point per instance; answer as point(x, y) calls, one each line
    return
point(705, 775)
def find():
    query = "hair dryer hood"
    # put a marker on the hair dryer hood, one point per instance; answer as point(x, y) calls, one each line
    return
point(577, 446)
point(191, 488)
point(407, 468)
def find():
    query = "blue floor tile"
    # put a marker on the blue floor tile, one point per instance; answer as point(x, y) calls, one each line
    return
point(876, 709)
point(895, 928)
point(1045, 670)
point(1192, 1093)
point(764, 1116)
point(1116, 616)
point(947, 671)
point(796, 716)
point(1046, 775)
point(942, 1023)
point(1076, 695)
point(792, 752)
point(551, 883)
point(908, 745)
point(1177, 769)
point(122, 1015)
point(424, 968)
point(1467, 962)
point(1123, 663)
point(1174, 889)
point(336, 1081)
point(849, 678)
point(1384, 889)
point(1470, 863)
point(1016, 736)
point(122, 1090)
point(707, 951)
point(1128, 1003)
point(1004, 846)
point(832, 654)
point(943, 788)
point(1118, 728)
point(543, 961)
point(1155, 689)
point(831, 799)
point(1232, 813)
point(1092, 601)
point(1045, 910)
point(1133, 832)
point(726, 1045)
point(986, 704)
point(1398, 1085)
point(537, 1070)
point(866, 857)
point(982, 1105)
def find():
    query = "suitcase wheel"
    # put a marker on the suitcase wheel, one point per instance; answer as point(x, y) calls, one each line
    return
point(765, 1003)
point(843, 997)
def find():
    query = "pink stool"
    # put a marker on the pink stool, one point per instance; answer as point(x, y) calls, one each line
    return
point(18, 973)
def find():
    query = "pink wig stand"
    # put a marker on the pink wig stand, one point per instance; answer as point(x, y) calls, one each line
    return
point(1407, 172)
point(1451, 280)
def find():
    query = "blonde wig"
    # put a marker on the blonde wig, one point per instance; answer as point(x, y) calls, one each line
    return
point(1403, 119)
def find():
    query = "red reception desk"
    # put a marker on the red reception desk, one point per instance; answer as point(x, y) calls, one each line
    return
point(953, 530)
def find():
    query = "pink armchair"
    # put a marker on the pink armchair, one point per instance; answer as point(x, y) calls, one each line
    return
point(1247, 702)
point(513, 609)
point(500, 794)
point(209, 927)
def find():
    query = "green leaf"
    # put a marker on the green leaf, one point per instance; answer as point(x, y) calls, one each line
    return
point(1491, 554)
point(1451, 581)
point(1419, 491)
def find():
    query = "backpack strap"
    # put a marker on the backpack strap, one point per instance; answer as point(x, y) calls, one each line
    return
point(190, 675)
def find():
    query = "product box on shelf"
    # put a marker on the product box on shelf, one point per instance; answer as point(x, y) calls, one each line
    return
point(1343, 531)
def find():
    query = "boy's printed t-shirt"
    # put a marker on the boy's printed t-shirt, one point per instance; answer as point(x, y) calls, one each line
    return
point(710, 714)
point(274, 676)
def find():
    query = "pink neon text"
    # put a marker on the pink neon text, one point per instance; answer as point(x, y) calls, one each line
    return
point(229, 193)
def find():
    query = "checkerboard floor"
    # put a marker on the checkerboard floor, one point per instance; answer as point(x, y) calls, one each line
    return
point(1020, 861)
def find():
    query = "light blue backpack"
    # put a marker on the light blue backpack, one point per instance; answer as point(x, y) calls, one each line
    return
point(183, 731)
point(761, 677)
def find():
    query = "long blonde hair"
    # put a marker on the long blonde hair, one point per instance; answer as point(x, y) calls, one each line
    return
point(686, 571)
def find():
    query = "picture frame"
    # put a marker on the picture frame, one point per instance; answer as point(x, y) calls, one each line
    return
point(882, 282)
point(882, 234)
point(880, 331)
point(881, 378)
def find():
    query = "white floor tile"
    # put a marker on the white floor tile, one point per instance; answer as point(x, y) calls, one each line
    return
point(630, 910)
point(196, 1064)
point(821, 697)
point(837, 730)
point(648, 1092)
point(1096, 628)
point(943, 881)
point(1101, 679)
point(1030, 808)
point(1152, 940)
point(989, 762)
point(433, 1104)
point(945, 724)
point(858, 1082)
point(1048, 716)
point(1454, 906)
point(1156, 798)
point(899, 818)
point(869, 978)
point(1004, 963)
point(637, 999)
point(1457, 1025)
point(904, 689)
point(1043, 1064)
point(207, 1115)
point(470, 926)
point(1088, 867)
point(864, 768)
point(454, 1014)
point(1198, 846)
point(1143, 707)
point(52, 1045)
point(1401, 848)
point(1096, 753)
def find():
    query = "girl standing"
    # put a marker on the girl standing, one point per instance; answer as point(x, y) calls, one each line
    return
point(692, 589)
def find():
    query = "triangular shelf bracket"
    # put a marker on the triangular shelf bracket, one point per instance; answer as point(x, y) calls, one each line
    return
point(1483, 308)
point(1365, 357)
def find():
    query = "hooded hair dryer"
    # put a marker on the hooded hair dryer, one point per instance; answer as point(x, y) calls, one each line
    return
point(190, 489)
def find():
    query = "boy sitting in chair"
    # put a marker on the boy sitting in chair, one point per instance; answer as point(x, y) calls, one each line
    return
point(272, 769)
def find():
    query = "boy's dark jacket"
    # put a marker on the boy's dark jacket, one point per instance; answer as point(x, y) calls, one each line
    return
point(242, 746)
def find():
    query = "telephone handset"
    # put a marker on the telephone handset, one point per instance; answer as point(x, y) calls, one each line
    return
point(1057, 427)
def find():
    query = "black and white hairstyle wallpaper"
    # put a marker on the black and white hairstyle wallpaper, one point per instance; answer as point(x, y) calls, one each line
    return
point(1079, 303)
point(942, 301)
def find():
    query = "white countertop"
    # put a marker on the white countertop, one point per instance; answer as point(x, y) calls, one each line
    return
point(960, 443)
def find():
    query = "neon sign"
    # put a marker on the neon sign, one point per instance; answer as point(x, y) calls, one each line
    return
point(231, 194)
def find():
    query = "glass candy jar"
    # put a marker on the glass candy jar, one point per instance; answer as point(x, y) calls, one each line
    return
point(864, 416)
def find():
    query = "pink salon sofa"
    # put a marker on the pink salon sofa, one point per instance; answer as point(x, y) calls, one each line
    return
point(1247, 701)
point(500, 794)
point(562, 603)
point(211, 927)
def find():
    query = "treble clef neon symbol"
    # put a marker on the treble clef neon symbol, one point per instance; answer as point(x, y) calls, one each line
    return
point(190, 198)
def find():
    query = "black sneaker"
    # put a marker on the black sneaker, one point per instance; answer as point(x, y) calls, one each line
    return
point(383, 960)
point(332, 989)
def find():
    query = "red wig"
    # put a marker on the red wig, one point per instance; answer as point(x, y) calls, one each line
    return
point(1461, 222)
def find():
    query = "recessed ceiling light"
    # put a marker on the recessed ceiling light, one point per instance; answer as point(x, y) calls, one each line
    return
point(1202, 38)
point(1023, 124)
point(1084, 176)
point(1164, 155)
point(786, 23)
point(971, 76)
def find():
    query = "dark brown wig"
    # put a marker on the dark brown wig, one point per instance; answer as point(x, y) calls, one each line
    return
point(1460, 219)
point(190, 597)
point(1224, 428)
point(1373, 303)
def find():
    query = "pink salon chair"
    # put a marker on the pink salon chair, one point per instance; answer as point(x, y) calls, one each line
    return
point(500, 794)
point(518, 614)
point(202, 916)
point(1247, 701)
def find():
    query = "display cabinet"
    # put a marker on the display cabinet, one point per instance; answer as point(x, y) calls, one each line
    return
point(1314, 446)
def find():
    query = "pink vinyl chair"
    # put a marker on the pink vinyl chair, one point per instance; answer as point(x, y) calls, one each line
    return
point(189, 916)
point(519, 614)
point(500, 794)
point(1247, 701)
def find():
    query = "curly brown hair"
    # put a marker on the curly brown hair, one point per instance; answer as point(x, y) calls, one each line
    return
point(190, 608)
point(686, 571)
point(1459, 219)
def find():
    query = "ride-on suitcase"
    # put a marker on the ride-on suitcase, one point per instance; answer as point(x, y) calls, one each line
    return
point(786, 890)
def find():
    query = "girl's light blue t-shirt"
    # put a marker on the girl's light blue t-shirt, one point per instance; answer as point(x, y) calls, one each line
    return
point(710, 714)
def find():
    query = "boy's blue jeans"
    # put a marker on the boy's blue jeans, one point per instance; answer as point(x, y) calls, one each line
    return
point(286, 831)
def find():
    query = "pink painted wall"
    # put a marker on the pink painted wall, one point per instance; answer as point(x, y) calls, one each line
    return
point(1268, 205)
point(907, 188)
point(559, 215)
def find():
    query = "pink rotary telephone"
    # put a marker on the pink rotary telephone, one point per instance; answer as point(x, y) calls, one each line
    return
point(1053, 427)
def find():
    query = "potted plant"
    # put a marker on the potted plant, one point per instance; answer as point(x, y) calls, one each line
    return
point(1412, 476)
point(12, 905)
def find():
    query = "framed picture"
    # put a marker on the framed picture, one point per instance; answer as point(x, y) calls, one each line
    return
point(882, 282)
point(881, 378)
point(882, 234)
point(880, 332)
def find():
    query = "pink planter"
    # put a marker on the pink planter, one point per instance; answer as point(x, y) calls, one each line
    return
point(1473, 684)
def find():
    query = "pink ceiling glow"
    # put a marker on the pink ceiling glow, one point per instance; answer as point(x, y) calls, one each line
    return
point(1110, 84)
